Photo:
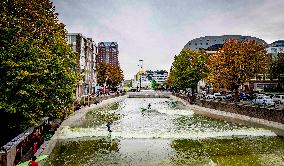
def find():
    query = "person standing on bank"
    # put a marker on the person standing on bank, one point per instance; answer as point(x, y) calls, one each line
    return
point(33, 162)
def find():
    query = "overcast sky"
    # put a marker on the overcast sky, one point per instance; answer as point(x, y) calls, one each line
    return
point(156, 30)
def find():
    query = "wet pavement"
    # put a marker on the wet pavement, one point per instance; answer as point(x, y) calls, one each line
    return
point(166, 134)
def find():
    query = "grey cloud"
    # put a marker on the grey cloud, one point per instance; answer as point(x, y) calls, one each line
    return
point(156, 30)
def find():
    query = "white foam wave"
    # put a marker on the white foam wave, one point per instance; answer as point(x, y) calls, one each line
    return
point(67, 133)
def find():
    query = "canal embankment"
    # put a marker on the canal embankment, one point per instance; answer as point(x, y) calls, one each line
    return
point(268, 118)
point(79, 116)
point(73, 120)
point(168, 133)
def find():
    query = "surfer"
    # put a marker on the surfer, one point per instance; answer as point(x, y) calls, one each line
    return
point(149, 106)
point(108, 127)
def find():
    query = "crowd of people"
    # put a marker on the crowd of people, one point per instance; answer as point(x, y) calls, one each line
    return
point(33, 142)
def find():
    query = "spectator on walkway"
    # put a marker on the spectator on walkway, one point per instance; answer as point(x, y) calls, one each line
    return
point(33, 162)
point(34, 148)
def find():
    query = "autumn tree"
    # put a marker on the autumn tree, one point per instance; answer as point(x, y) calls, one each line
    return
point(188, 68)
point(112, 75)
point(102, 73)
point(115, 76)
point(236, 63)
point(36, 64)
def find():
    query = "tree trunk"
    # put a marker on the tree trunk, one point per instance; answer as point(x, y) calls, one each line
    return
point(236, 95)
point(192, 97)
point(192, 91)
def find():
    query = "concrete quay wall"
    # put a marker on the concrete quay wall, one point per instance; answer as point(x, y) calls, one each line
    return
point(241, 116)
point(74, 119)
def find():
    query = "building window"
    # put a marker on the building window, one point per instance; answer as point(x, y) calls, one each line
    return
point(200, 43)
point(206, 43)
point(196, 44)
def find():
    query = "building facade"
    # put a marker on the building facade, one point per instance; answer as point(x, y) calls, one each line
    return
point(213, 43)
point(107, 53)
point(278, 43)
point(86, 51)
point(275, 48)
point(160, 76)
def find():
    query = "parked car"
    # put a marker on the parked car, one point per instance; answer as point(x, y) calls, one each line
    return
point(244, 96)
point(279, 99)
point(219, 96)
point(255, 95)
point(263, 100)
point(269, 94)
point(209, 96)
point(215, 96)
point(228, 96)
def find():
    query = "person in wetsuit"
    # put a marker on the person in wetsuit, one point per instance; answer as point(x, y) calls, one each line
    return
point(149, 106)
point(108, 127)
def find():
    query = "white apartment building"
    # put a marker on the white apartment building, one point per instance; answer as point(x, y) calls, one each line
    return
point(160, 76)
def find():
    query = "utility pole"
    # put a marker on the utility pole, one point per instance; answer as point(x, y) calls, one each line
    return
point(141, 67)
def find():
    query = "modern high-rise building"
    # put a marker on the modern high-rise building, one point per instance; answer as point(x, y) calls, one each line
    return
point(213, 43)
point(86, 50)
point(278, 43)
point(275, 48)
point(107, 53)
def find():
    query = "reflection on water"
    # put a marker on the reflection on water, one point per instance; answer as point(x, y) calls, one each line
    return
point(255, 151)
point(234, 151)
point(82, 152)
point(163, 135)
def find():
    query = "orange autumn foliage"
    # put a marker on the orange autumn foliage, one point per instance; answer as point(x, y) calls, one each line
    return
point(236, 63)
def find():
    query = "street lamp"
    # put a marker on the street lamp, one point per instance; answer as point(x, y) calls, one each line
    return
point(141, 66)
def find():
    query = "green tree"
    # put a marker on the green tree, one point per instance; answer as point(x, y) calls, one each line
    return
point(188, 68)
point(37, 66)
point(236, 63)
point(154, 84)
point(277, 68)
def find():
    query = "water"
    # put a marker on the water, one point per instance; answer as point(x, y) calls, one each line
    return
point(167, 134)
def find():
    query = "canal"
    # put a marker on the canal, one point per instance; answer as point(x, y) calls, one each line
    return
point(166, 134)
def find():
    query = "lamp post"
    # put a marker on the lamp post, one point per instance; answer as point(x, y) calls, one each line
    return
point(141, 66)
point(90, 86)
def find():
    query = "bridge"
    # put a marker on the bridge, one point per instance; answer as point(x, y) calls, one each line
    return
point(149, 94)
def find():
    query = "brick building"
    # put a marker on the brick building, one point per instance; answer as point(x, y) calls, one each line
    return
point(107, 53)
